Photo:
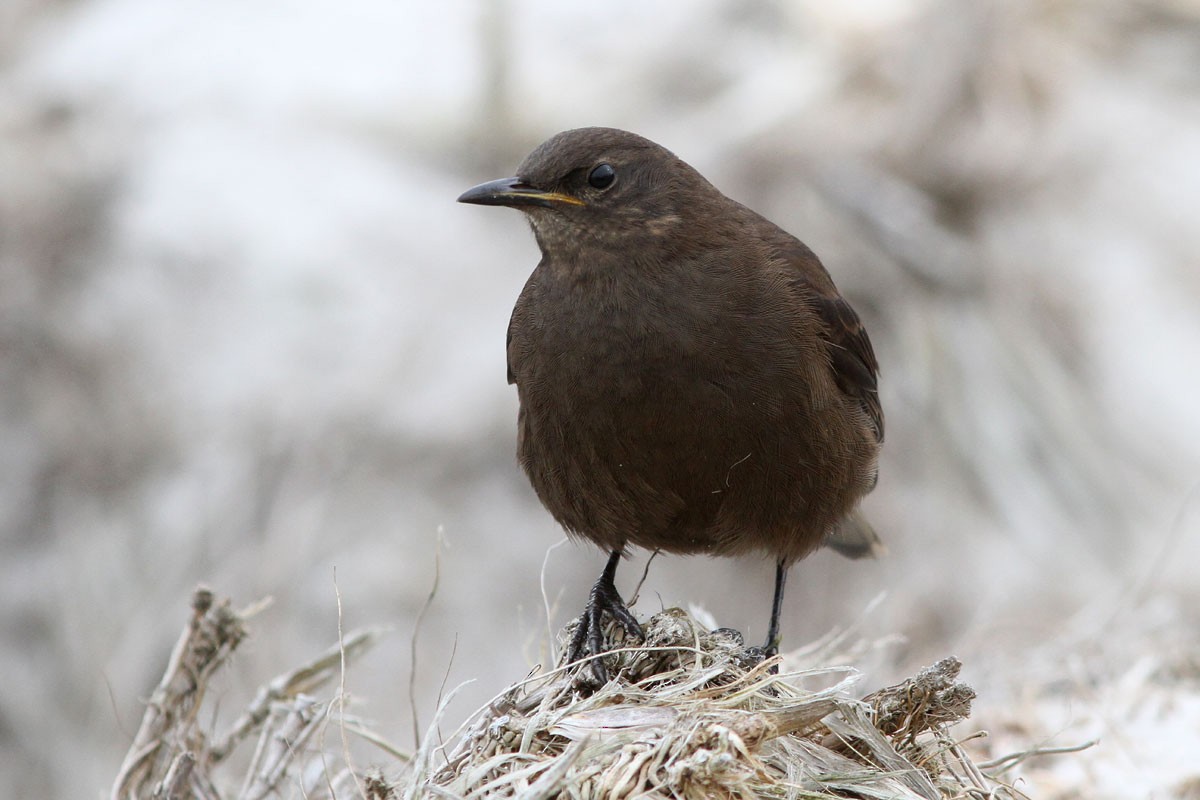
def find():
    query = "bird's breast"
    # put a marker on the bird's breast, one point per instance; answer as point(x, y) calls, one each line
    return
point(678, 415)
point(608, 347)
point(668, 379)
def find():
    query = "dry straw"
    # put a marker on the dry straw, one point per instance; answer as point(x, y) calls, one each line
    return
point(689, 714)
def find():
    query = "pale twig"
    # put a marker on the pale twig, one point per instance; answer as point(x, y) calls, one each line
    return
point(370, 736)
point(421, 758)
point(637, 590)
point(287, 685)
point(340, 700)
point(446, 677)
point(412, 662)
point(550, 638)
point(284, 743)
point(212, 633)
point(172, 786)
point(1005, 763)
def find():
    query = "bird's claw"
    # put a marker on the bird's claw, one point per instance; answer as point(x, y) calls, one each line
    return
point(753, 656)
point(587, 642)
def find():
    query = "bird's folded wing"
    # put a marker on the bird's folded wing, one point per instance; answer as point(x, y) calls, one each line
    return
point(850, 353)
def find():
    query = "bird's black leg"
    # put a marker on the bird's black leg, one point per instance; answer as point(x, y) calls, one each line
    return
point(772, 646)
point(588, 639)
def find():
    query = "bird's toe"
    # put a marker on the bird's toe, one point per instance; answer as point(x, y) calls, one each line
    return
point(588, 640)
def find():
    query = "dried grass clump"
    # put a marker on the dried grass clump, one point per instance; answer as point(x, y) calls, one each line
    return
point(175, 756)
point(689, 714)
point(692, 714)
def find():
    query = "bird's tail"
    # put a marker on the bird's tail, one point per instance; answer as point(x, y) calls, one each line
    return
point(855, 538)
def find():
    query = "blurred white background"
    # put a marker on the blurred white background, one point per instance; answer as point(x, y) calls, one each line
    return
point(247, 337)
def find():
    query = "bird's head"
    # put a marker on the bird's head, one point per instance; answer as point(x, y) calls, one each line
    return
point(598, 187)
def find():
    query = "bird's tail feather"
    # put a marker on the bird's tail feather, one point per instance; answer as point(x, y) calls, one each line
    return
point(854, 537)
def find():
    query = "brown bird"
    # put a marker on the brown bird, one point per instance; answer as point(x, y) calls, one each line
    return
point(689, 378)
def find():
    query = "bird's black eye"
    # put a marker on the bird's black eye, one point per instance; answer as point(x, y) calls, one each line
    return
point(602, 176)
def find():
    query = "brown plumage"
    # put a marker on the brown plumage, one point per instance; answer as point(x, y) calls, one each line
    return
point(689, 378)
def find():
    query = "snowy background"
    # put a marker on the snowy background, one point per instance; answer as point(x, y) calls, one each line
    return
point(247, 338)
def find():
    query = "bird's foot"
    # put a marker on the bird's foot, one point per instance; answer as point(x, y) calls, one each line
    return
point(588, 639)
point(734, 644)
point(733, 635)
point(756, 655)
point(748, 657)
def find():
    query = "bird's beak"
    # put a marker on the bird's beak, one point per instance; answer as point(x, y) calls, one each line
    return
point(515, 192)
